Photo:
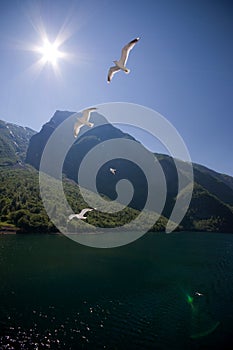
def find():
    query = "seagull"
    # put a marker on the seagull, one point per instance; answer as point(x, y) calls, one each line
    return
point(80, 215)
point(199, 294)
point(113, 171)
point(84, 120)
point(120, 65)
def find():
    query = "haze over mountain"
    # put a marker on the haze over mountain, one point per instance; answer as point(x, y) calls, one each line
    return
point(211, 207)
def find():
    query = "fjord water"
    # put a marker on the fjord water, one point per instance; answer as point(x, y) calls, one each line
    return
point(57, 294)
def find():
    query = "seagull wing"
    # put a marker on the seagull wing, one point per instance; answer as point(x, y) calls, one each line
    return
point(84, 211)
point(86, 113)
point(111, 72)
point(77, 127)
point(126, 50)
point(71, 216)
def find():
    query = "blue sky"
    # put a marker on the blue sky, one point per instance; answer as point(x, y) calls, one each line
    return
point(182, 67)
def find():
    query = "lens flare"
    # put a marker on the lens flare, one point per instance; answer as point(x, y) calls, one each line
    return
point(50, 52)
point(202, 322)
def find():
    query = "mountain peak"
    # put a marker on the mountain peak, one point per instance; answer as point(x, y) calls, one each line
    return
point(212, 200)
point(60, 116)
point(104, 131)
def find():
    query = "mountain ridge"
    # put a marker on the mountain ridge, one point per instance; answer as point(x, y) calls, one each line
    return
point(212, 201)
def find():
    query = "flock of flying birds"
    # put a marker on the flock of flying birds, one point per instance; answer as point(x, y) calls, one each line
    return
point(84, 119)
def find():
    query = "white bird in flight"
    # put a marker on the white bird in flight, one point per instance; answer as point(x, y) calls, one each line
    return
point(199, 294)
point(120, 65)
point(84, 120)
point(80, 215)
point(113, 171)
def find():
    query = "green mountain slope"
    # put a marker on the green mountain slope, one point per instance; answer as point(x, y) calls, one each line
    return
point(207, 213)
point(20, 203)
point(14, 142)
point(22, 207)
point(226, 179)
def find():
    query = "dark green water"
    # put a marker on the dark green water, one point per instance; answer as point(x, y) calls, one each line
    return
point(57, 294)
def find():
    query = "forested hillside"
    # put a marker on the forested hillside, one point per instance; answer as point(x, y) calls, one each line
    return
point(211, 207)
point(22, 207)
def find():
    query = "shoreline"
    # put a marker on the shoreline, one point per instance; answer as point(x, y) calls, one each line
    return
point(8, 233)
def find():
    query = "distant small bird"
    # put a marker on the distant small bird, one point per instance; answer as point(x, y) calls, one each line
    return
point(113, 171)
point(120, 65)
point(199, 294)
point(80, 215)
point(84, 120)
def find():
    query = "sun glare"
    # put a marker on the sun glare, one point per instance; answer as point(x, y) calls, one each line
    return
point(50, 52)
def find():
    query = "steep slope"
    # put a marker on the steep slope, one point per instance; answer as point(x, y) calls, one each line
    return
point(21, 205)
point(210, 208)
point(38, 141)
point(214, 185)
point(85, 142)
point(226, 179)
point(212, 201)
point(14, 141)
point(207, 213)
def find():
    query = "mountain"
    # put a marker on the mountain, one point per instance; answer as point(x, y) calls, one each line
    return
point(212, 200)
point(38, 141)
point(211, 207)
point(22, 209)
point(14, 141)
point(226, 179)
point(89, 138)
point(207, 213)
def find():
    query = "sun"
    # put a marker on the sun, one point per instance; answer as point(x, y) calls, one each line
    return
point(50, 52)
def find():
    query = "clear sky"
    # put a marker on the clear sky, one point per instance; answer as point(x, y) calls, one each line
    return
point(182, 67)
